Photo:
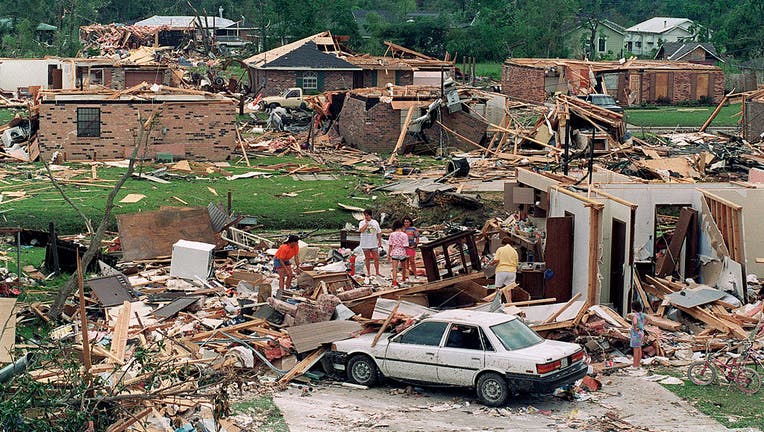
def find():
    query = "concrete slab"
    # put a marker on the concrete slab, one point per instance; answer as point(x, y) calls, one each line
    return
point(642, 403)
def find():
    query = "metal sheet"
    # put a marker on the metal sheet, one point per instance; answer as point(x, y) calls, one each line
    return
point(218, 216)
point(111, 290)
point(173, 308)
point(311, 336)
point(695, 297)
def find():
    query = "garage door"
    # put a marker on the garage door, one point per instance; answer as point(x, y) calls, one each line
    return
point(136, 77)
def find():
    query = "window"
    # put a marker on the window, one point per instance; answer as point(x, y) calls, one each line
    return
point(515, 335)
point(464, 337)
point(426, 333)
point(88, 122)
point(309, 81)
point(638, 44)
point(601, 44)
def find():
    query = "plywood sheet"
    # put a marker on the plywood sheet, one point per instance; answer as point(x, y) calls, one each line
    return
point(311, 336)
point(148, 235)
point(8, 327)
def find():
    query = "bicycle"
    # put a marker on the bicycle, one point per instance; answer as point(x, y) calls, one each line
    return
point(704, 372)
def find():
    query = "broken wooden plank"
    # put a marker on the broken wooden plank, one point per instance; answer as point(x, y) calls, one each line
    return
point(119, 336)
point(402, 136)
point(559, 311)
point(308, 337)
point(385, 324)
point(663, 323)
point(642, 295)
point(7, 329)
point(302, 366)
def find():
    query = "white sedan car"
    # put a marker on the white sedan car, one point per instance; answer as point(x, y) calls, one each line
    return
point(497, 354)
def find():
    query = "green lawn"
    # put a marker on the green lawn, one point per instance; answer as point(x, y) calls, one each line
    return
point(723, 402)
point(672, 116)
point(6, 114)
point(491, 70)
point(263, 409)
point(263, 198)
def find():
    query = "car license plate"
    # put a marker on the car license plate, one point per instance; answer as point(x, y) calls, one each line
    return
point(564, 362)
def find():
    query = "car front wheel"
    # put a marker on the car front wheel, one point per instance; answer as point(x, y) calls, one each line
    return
point(492, 389)
point(362, 370)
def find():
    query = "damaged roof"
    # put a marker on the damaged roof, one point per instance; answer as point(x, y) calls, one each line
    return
point(678, 50)
point(605, 66)
point(309, 56)
point(323, 41)
point(182, 21)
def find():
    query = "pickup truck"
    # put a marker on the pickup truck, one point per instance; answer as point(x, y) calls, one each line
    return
point(603, 101)
point(496, 354)
point(289, 98)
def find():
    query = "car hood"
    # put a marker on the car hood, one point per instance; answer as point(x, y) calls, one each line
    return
point(547, 351)
point(363, 343)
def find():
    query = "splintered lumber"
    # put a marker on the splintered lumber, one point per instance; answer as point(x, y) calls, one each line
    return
point(552, 326)
point(559, 311)
point(119, 337)
point(723, 326)
point(83, 317)
point(402, 136)
point(385, 324)
point(663, 323)
point(245, 325)
point(122, 425)
point(302, 366)
point(643, 296)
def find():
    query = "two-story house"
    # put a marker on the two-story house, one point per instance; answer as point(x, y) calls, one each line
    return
point(645, 38)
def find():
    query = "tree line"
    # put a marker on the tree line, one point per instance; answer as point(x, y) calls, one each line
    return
point(489, 30)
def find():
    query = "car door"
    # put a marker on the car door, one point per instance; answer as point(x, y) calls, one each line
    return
point(462, 355)
point(413, 355)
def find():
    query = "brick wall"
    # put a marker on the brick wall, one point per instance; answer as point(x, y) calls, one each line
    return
point(682, 85)
point(276, 81)
point(376, 129)
point(188, 130)
point(118, 77)
point(523, 83)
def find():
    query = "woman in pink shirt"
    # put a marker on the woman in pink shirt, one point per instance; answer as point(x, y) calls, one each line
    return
point(396, 251)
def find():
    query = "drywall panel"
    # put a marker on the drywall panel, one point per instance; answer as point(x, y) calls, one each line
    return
point(560, 205)
point(15, 73)
point(647, 196)
point(536, 181)
point(614, 210)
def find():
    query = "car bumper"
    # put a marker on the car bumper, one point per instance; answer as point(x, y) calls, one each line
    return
point(334, 363)
point(548, 383)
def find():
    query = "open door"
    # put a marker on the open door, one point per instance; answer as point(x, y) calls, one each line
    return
point(617, 261)
point(55, 77)
point(558, 255)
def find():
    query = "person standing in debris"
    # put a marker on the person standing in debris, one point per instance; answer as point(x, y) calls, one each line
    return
point(413, 236)
point(505, 261)
point(282, 261)
point(396, 252)
point(637, 333)
point(371, 241)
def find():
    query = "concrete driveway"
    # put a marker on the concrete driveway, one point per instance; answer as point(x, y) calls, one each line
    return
point(634, 401)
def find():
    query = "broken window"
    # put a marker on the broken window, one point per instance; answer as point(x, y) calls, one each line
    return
point(601, 44)
point(426, 333)
point(638, 44)
point(88, 122)
point(464, 337)
point(309, 81)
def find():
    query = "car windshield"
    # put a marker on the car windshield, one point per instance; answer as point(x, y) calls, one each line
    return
point(603, 100)
point(515, 335)
point(285, 93)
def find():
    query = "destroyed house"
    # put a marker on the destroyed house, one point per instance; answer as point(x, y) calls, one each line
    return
point(103, 125)
point(597, 242)
point(372, 120)
point(692, 52)
point(21, 76)
point(631, 83)
point(175, 30)
point(315, 64)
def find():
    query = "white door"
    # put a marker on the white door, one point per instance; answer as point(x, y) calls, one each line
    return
point(462, 355)
point(413, 355)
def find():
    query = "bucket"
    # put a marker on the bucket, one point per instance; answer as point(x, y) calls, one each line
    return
point(460, 165)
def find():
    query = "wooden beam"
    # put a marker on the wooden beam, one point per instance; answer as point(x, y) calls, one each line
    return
point(119, 336)
point(716, 111)
point(663, 323)
point(402, 136)
point(643, 295)
point(559, 311)
point(302, 366)
point(83, 319)
point(385, 324)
